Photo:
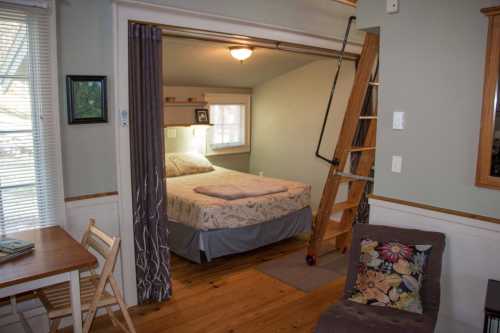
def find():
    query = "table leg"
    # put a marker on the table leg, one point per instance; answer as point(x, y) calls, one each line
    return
point(75, 301)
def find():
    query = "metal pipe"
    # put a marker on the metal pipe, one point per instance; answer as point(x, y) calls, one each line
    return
point(177, 32)
point(353, 176)
point(332, 92)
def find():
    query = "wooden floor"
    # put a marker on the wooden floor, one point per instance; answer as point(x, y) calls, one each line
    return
point(230, 295)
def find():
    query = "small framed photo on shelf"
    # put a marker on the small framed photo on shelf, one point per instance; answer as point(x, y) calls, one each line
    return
point(87, 99)
point(201, 116)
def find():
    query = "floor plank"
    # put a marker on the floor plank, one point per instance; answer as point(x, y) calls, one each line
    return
point(230, 295)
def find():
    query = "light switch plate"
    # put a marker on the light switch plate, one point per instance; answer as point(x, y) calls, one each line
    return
point(392, 6)
point(171, 133)
point(123, 118)
point(397, 163)
point(398, 120)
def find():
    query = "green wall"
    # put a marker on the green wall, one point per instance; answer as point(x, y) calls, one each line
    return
point(85, 48)
point(287, 116)
point(432, 68)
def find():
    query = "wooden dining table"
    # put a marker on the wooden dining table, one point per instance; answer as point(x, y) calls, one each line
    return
point(57, 258)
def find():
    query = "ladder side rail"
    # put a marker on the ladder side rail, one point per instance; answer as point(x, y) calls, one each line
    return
point(363, 168)
point(357, 189)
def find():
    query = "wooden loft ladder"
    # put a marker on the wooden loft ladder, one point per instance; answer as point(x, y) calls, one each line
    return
point(361, 116)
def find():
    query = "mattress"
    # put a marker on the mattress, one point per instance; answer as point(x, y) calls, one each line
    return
point(204, 212)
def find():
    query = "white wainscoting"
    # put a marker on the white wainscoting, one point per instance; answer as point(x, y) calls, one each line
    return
point(105, 211)
point(470, 259)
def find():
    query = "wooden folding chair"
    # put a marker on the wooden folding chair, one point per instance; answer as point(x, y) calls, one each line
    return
point(56, 299)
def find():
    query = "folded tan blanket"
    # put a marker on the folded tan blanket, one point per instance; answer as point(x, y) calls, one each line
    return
point(240, 191)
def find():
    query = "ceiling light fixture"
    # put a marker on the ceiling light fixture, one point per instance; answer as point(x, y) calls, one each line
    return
point(241, 52)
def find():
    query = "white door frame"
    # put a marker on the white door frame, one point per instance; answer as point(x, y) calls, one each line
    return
point(125, 11)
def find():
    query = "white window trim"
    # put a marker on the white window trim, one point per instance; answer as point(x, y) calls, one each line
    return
point(221, 99)
point(61, 209)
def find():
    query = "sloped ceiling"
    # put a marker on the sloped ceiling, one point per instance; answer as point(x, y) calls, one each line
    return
point(190, 62)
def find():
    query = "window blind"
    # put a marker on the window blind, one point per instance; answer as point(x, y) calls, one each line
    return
point(33, 3)
point(28, 132)
point(229, 125)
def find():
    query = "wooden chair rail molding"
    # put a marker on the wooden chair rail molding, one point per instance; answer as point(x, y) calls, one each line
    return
point(90, 196)
point(436, 209)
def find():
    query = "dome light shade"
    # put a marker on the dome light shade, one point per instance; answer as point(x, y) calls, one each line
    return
point(241, 52)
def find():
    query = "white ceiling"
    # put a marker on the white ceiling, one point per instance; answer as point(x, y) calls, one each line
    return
point(190, 62)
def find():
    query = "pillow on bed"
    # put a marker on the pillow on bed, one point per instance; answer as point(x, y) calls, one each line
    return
point(190, 163)
point(171, 169)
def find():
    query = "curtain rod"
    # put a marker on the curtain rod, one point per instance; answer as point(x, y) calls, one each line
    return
point(170, 31)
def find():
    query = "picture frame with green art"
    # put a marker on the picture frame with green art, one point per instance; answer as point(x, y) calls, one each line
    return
point(87, 99)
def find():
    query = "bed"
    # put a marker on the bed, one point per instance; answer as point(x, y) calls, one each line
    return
point(203, 227)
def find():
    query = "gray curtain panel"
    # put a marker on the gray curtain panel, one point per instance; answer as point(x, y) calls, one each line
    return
point(152, 255)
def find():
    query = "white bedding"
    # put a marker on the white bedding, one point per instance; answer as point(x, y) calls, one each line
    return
point(204, 212)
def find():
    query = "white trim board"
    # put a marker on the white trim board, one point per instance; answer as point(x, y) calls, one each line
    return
point(61, 212)
point(213, 22)
point(125, 11)
point(470, 259)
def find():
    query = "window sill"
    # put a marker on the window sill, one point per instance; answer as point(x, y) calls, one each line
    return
point(228, 150)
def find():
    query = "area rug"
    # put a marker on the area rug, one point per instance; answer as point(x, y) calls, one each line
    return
point(293, 270)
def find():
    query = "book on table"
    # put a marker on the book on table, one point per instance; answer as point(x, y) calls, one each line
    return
point(12, 245)
point(4, 256)
point(11, 248)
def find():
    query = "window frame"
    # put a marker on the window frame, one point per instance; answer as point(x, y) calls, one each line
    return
point(60, 209)
point(231, 99)
point(489, 105)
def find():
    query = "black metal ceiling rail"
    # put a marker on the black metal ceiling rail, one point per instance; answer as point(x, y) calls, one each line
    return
point(332, 92)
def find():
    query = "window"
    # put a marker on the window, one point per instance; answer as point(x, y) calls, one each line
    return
point(488, 162)
point(230, 117)
point(29, 172)
point(229, 125)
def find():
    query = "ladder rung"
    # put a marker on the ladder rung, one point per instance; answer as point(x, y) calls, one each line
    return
point(375, 84)
point(353, 176)
point(356, 149)
point(338, 207)
point(368, 117)
point(332, 231)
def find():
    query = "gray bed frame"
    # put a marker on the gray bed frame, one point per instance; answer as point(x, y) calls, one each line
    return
point(202, 246)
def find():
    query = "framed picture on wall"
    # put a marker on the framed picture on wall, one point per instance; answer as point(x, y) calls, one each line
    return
point(201, 116)
point(87, 99)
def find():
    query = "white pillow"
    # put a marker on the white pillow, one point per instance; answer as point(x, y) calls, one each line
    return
point(170, 168)
point(190, 163)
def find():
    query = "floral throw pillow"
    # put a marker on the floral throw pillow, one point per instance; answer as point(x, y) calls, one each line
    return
point(391, 274)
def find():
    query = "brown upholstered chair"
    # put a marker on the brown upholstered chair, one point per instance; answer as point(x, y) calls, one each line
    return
point(350, 317)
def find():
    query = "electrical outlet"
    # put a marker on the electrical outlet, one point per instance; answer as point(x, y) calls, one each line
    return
point(397, 163)
point(398, 120)
point(392, 6)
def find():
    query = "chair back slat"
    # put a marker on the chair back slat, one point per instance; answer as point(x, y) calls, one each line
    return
point(103, 250)
point(101, 235)
point(107, 246)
